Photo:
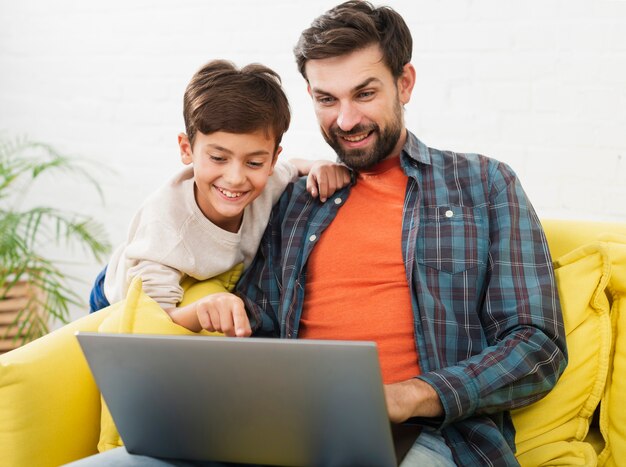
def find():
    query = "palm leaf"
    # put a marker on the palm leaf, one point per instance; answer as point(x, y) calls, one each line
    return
point(24, 233)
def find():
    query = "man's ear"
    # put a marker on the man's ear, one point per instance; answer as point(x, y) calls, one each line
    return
point(185, 149)
point(406, 81)
point(308, 89)
point(275, 158)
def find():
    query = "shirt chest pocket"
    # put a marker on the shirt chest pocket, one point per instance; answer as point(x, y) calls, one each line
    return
point(452, 238)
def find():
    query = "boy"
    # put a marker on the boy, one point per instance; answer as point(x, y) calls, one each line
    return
point(210, 217)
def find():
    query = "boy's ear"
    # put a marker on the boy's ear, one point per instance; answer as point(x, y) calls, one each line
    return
point(275, 158)
point(185, 149)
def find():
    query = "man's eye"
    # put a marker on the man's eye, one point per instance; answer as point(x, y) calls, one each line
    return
point(366, 94)
point(326, 100)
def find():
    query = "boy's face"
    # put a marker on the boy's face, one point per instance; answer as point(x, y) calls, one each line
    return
point(358, 105)
point(230, 171)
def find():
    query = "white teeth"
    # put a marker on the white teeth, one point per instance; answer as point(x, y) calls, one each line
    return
point(355, 139)
point(229, 194)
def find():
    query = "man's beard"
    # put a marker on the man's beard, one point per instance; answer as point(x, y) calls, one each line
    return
point(363, 159)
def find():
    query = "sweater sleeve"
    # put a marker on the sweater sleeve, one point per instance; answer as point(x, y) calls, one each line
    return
point(157, 254)
point(284, 174)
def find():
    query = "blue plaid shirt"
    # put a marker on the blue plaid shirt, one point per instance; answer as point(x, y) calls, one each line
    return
point(488, 325)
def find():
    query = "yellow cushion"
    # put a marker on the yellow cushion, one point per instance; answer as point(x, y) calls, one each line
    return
point(49, 402)
point(566, 235)
point(551, 431)
point(194, 290)
point(142, 315)
point(612, 419)
point(562, 453)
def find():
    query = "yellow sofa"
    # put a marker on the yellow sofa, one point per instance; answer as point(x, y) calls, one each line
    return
point(50, 408)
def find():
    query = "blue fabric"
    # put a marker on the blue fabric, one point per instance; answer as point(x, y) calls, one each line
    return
point(428, 450)
point(121, 457)
point(488, 325)
point(97, 299)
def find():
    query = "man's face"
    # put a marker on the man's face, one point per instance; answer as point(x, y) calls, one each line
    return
point(358, 105)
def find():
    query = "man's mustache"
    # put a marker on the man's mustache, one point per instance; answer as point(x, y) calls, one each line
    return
point(354, 131)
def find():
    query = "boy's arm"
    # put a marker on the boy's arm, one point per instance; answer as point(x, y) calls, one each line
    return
point(324, 177)
point(218, 312)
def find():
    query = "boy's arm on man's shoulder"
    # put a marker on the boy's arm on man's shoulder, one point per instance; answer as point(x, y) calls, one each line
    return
point(324, 177)
point(303, 166)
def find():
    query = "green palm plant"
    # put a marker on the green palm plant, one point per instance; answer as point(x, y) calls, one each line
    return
point(26, 231)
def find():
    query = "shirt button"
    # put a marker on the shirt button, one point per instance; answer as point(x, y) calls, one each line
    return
point(449, 213)
point(312, 238)
point(337, 200)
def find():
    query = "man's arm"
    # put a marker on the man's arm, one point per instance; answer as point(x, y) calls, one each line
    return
point(520, 314)
point(260, 287)
point(412, 398)
point(520, 317)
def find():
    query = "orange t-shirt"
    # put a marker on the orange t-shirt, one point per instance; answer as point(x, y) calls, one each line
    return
point(356, 286)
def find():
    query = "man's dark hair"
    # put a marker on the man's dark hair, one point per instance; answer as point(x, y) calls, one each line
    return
point(352, 26)
point(221, 97)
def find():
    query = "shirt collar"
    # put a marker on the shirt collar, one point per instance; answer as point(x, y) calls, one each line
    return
point(413, 154)
point(416, 150)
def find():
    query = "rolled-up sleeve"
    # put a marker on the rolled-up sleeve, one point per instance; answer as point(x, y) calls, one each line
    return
point(519, 311)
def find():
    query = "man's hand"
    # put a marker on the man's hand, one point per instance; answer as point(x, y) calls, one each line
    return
point(218, 312)
point(326, 177)
point(412, 398)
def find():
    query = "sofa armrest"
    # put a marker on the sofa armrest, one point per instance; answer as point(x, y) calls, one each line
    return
point(49, 402)
point(566, 235)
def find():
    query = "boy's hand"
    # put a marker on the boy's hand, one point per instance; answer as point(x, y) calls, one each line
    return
point(326, 177)
point(223, 312)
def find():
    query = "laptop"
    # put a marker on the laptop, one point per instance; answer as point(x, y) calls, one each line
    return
point(247, 400)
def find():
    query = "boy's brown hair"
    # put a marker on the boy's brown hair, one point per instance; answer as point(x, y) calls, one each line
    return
point(352, 26)
point(221, 97)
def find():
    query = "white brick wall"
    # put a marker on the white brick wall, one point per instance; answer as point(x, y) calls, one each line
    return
point(540, 84)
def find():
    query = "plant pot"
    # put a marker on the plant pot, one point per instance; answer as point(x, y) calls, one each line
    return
point(18, 310)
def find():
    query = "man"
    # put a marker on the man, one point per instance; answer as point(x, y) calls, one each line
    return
point(436, 256)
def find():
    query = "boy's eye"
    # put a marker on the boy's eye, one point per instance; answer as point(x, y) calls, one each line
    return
point(255, 164)
point(217, 158)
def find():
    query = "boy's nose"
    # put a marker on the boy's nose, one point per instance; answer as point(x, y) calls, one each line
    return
point(348, 117)
point(234, 175)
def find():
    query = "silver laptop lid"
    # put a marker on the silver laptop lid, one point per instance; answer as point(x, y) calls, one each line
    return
point(263, 401)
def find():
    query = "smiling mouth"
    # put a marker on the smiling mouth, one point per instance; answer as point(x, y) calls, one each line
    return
point(231, 194)
point(355, 138)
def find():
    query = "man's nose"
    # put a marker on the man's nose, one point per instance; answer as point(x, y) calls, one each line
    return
point(348, 117)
